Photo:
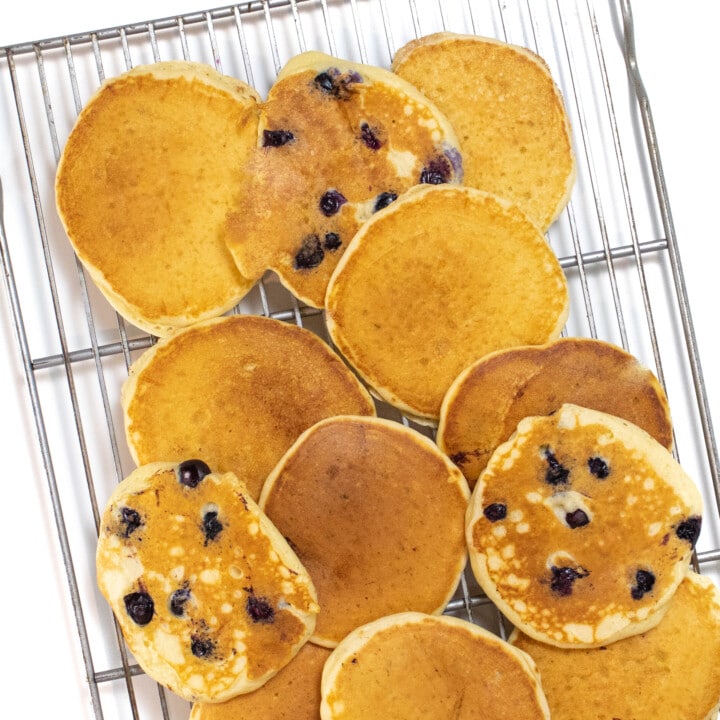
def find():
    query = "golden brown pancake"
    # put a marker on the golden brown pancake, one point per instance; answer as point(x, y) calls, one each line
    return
point(445, 275)
point(410, 666)
point(210, 598)
point(144, 183)
point(489, 398)
point(377, 515)
point(337, 142)
point(507, 111)
point(581, 527)
point(236, 391)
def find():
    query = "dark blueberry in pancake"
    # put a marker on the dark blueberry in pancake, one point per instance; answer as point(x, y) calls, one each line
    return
point(576, 518)
point(689, 529)
point(310, 254)
point(191, 472)
point(140, 607)
point(276, 138)
point(332, 241)
point(201, 646)
point(598, 467)
point(130, 519)
point(556, 474)
point(495, 511)
point(324, 81)
point(331, 202)
point(369, 137)
point(178, 600)
point(563, 579)
point(437, 171)
point(383, 200)
point(259, 610)
point(211, 525)
point(644, 581)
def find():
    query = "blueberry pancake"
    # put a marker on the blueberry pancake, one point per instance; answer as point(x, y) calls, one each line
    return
point(411, 665)
point(236, 391)
point(148, 173)
point(211, 599)
point(445, 275)
point(337, 142)
point(508, 113)
point(671, 671)
point(581, 527)
point(489, 398)
point(376, 513)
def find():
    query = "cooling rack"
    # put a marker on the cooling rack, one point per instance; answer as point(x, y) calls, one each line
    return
point(616, 243)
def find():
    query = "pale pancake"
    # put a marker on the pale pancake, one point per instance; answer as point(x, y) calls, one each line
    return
point(337, 141)
point(508, 113)
point(489, 398)
point(671, 671)
point(236, 391)
point(445, 275)
point(410, 666)
point(581, 527)
point(377, 515)
point(143, 186)
point(210, 597)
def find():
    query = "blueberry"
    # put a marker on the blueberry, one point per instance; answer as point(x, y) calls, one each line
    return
point(131, 519)
point(332, 241)
point(437, 171)
point(369, 137)
point(644, 581)
point(310, 254)
point(211, 525)
point(324, 81)
point(259, 610)
point(564, 577)
point(191, 472)
point(140, 607)
point(201, 646)
point(331, 202)
point(495, 511)
point(276, 138)
point(178, 600)
point(689, 529)
point(576, 518)
point(598, 467)
point(383, 200)
point(556, 473)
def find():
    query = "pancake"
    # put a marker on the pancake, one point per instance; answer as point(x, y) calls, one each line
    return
point(236, 391)
point(671, 671)
point(508, 113)
point(337, 142)
point(581, 527)
point(377, 515)
point(411, 665)
point(489, 398)
point(445, 275)
point(210, 598)
point(146, 177)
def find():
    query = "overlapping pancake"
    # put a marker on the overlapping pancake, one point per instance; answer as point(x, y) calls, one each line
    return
point(210, 597)
point(236, 391)
point(445, 275)
point(507, 111)
point(377, 515)
point(489, 398)
point(337, 142)
point(581, 527)
point(145, 180)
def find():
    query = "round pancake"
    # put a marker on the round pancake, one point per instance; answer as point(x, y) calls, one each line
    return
point(411, 665)
point(148, 173)
point(337, 142)
point(210, 598)
point(236, 391)
point(507, 111)
point(445, 275)
point(489, 398)
point(581, 527)
point(671, 671)
point(293, 694)
point(377, 515)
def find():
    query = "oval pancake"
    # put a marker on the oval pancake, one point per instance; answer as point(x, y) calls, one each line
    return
point(210, 598)
point(508, 113)
point(411, 665)
point(581, 527)
point(236, 391)
point(146, 177)
point(377, 515)
point(671, 671)
point(337, 142)
point(445, 275)
point(489, 398)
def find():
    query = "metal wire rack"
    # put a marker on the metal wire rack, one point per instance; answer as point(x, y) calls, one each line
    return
point(616, 243)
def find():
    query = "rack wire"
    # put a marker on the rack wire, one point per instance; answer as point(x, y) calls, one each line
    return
point(616, 242)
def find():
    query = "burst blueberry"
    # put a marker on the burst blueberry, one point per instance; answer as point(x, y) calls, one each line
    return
point(178, 600)
point(212, 527)
point(259, 610)
point(140, 607)
point(598, 467)
point(332, 241)
point(191, 472)
point(369, 136)
point(310, 254)
point(130, 519)
point(201, 647)
point(436, 172)
point(556, 474)
point(276, 138)
point(644, 582)
point(563, 579)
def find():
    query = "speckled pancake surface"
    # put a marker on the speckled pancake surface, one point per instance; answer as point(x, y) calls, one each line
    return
point(148, 173)
point(236, 391)
point(489, 398)
point(411, 665)
point(210, 598)
point(377, 515)
point(507, 111)
point(337, 142)
point(443, 276)
point(581, 527)
point(671, 671)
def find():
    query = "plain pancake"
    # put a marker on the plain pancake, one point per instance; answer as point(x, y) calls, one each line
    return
point(209, 596)
point(337, 141)
point(581, 527)
point(507, 111)
point(489, 398)
point(411, 665)
point(236, 391)
point(443, 276)
point(377, 515)
point(671, 671)
point(148, 173)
